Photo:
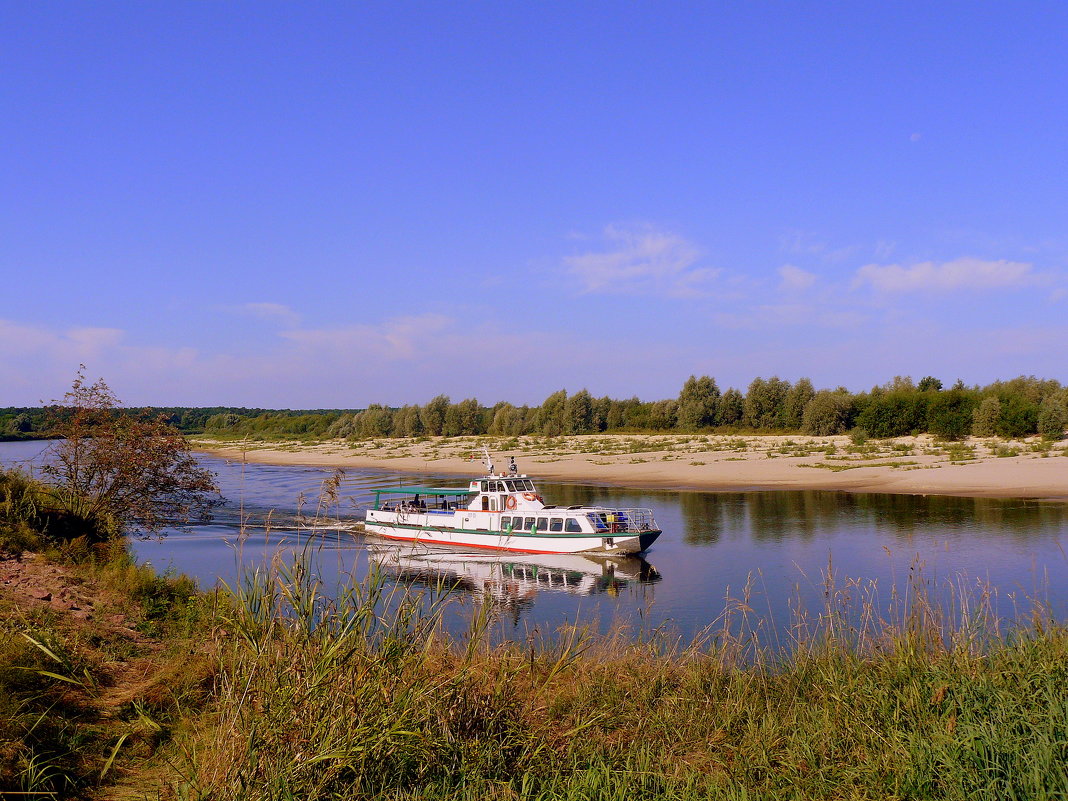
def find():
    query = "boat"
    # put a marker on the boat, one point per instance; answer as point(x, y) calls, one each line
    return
point(505, 512)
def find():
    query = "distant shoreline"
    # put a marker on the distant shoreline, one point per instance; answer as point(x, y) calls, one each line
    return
point(907, 465)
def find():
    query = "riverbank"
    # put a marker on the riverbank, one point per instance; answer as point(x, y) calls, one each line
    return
point(272, 693)
point(912, 465)
point(117, 683)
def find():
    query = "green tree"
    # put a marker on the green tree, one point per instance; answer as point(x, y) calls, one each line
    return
point(616, 416)
point(433, 415)
point(578, 413)
point(463, 419)
point(1052, 418)
point(407, 422)
point(894, 414)
point(20, 424)
point(599, 413)
point(342, 428)
point(794, 403)
point(374, 421)
point(507, 421)
point(950, 413)
point(550, 419)
point(929, 384)
point(1019, 417)
point(827, 413)
point(985, 417)
point(764, 402)
point(663, 415)
point(222, 422)
point(731, 408)
point(698, 403)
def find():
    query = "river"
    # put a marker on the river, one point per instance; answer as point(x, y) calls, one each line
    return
point(787, 546)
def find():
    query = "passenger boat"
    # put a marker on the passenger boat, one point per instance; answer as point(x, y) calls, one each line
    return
point(505, 512)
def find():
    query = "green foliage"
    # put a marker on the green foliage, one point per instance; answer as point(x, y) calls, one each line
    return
point(896, 408)
point(731, 408)
point(894, 414)
point(764, 403)
point(950, 413)
point(827, 413)
point(698, 403)
point(791, 416)
point(1053, 417)
point(463, 419)
point(578, 413)
point(1019, 417)
point(986, 416)
point(433, 415)
point(550, 419)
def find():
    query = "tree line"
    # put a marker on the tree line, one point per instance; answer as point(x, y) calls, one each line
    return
point(33, 422)
point(1020, 407)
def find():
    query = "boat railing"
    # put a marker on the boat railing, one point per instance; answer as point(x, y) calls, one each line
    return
point(624, 521)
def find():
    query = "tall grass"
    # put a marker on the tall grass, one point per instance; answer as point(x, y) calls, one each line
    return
point(364, 695)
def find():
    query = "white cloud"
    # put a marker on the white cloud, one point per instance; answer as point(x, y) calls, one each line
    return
point(642, 260)
point(794, 279)
point(964, 273)
point(397, 338)
point(269, 311)
point(74, 343)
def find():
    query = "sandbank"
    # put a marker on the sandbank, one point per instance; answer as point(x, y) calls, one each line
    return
point(910, 465)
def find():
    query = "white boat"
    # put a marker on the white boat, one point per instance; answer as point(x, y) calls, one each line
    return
point(505, 512)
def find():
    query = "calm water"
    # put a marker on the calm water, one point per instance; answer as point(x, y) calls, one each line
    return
point(784, 543)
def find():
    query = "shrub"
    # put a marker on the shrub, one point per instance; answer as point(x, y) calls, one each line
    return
point(1019, 417)
point(985, 417)
point(827, 413)
point(949, 414)
point(1051, 419)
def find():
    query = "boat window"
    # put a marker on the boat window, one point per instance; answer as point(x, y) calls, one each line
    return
point(572, 525)
point(543, 524)
point(506, 520)
point(485, 486)
point(493, 504)
point(528, 485)
point(556, 524)
point(528, 524)
point(511, 486)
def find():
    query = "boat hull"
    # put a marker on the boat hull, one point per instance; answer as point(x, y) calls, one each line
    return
point(518, 543)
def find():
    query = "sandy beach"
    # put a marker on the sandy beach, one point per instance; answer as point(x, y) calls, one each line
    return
point(912, 465)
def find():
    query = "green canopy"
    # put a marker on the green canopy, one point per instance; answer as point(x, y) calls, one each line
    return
point(423, 491)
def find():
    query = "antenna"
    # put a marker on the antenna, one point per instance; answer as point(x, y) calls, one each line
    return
point(486, 460)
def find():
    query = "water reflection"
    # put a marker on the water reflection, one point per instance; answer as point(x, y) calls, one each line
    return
point(803, 515)
point(510, 582)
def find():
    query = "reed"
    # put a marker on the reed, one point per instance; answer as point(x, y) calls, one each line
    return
point(361, 693)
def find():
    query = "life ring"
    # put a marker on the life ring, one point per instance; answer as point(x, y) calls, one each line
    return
point(530, 496)
point(510, 502)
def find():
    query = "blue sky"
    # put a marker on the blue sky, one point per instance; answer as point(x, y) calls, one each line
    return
point(332, 204)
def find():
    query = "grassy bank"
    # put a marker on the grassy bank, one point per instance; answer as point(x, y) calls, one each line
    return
point(327, 699)
point(276, 690)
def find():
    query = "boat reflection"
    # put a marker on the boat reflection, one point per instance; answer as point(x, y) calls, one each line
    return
point(511, 581)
